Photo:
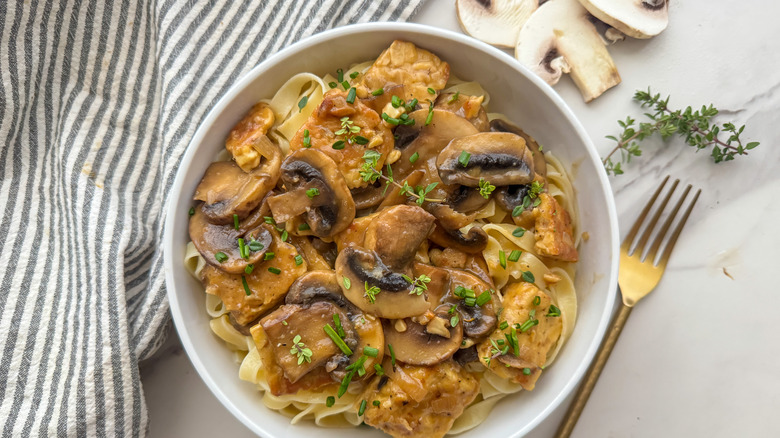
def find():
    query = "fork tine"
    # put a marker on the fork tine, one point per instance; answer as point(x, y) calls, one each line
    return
point(665, 228)
point(640, 246)
point(676, 233)
point(631, 234)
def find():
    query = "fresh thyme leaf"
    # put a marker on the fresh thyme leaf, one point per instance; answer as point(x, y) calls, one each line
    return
point(485, 188)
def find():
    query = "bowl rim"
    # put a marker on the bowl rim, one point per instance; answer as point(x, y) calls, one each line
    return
point(312, 40)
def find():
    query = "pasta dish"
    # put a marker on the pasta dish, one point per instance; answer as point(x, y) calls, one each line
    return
point(376, 247)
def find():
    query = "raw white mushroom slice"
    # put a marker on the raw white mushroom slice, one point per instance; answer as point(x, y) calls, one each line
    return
point(495, 22)
point(635, 18)
point(559, 38)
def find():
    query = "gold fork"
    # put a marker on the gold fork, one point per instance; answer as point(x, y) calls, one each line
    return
point(637, 277)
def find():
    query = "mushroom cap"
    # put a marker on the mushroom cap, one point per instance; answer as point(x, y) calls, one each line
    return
point(211, 239)
point(495, 22)
point(509, 197)
point(396, 234)
point(635, 18)
point(227, 190)
point(333, 209)
point(559, 38)
point(473, 241)
point(501, 158)
point(364, 269)
point(417, 346)
point(466, 199)
point(540, 164)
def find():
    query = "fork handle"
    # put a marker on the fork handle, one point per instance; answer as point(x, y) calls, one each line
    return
point(593, 373)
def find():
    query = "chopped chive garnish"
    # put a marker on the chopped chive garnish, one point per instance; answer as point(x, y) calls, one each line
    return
point(537, 300)
point(357, 364)
point(396, 101)
point(515, 344)
point(246, 286)
point(431, 90)
point(284, 236)
point(361, 372)
point(255, 246)
point(284, 322)
point(526, 371)
point(312, 192)
point(354, 74)
point(414, 157)
point(454, 320)
point(306, 139)
point(347, 283)
point(392, 354)
point(370, 351)
point(528, 324)
point(362, 409)
point(345, 84)
point(242, 248)
point(192, 211)
point(269, 220)
point(351, 95)
point(333, 84)
point(528, 276)
point(375, 403)
point(464, 158)
point(483, 298)
point(298, 260)
point(390, 120)
point(249, 268)
point(411, 105)
point(454, 97)
point(273, 270)
point(359, 139)
point(221, 257)
point(470, 301)
point(339, 328)
point(338, 145)
point(337, 340)
point(330, 401)
point(504, 325)
point(345, 384)
point(379, 370)
point(302, 103)
point(269, 256)
point(378, 92)
point(340, 74)
point(553, 311)
point(502, 258)
point(452, 310)
point(514, 255)
point(429, 119)
point(304, 227)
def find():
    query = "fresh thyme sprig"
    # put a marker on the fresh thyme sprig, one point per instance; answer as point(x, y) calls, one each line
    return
point(420, 283)
point(369, 173)
point(299, 349)
point(695, 127)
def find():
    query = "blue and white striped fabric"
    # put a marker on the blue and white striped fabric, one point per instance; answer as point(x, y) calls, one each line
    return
point(98, 100)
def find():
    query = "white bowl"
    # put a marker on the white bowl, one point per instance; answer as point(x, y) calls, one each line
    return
point(516, 92)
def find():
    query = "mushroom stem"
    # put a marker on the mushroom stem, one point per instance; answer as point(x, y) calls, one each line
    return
point(293, 203)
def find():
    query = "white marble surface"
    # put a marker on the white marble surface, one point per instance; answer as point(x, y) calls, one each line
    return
point(700, 356)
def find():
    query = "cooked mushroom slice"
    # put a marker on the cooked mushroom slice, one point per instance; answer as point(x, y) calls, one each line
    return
point(211, 239)
point(424, 344)
point(533, 342)
point(559, 38)
point(540, 164)
point(242, 142)
point(509, 197)
point(635, 18)
point(468, 107)
point(314, 187)
point(227, 190)
point(369, 196)
point(466, 199)
point(313, 257)
point(404, 63)
point(267, 284)
point(397, 232)
point(494, 22)
point(374, 287)
point(499, 157)
point(478, 320)
point(474, 241)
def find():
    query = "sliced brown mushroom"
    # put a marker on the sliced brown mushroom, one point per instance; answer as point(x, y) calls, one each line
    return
point(509, 197)
point(474, 241)
point(227, 190)
point(501, 158)
point(315, 188)
point(417, 345)
point(373, 287)
point(540, 164)
point(360, 330)
point(397, 232)
point(211, 239)
point(466, 199)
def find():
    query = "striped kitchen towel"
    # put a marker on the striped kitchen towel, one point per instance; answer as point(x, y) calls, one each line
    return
point(98, 100)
